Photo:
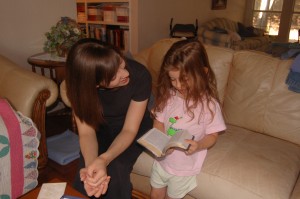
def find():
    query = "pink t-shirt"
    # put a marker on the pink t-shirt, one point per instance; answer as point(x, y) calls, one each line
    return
point(175, 117)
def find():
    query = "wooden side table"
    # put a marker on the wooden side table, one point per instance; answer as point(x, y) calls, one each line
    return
point(55, 65)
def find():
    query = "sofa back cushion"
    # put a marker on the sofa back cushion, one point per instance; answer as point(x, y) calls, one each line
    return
point(152, 57)
point(220, 60)
point(258, 99)
point(221, 23)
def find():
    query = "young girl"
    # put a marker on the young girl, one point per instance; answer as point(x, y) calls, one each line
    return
point(186, 98)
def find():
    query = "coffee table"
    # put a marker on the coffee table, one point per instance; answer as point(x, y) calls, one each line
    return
point(69, 191)
point(72, 192)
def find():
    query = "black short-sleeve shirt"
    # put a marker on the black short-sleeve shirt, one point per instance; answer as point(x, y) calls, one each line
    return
point(115, 102)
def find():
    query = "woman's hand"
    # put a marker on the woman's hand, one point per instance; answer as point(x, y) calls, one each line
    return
point(102, 188)
point(90, 190)
point(99, 190)
point(95, 178)
point(96, 172)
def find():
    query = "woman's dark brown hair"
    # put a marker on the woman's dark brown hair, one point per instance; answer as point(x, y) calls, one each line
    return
point(190, 58)
point(90, 63)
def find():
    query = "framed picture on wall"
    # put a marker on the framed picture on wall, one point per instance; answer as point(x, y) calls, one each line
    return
point(218, 4)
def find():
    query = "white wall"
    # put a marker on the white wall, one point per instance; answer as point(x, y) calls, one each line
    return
point(23, 23)
point(155, 16)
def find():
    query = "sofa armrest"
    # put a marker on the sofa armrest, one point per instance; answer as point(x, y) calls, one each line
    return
point(30, 94)
point(63, 94)
point(22, 87)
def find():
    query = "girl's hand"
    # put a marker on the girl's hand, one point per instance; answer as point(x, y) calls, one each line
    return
point(205, 143)
point(169, 151)
point(194, 147)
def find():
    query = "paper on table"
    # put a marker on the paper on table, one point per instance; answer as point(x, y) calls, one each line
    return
point(52, 190)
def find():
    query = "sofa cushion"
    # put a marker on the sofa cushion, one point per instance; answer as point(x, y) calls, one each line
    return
point(242, 164)
point(248, 165)
point(257, 43)
point(256, 88)
point(19, 141)
point(221, 23)
point(220, 60)
point(246, 31)
point(234, 36)
point(220, 30)
point(156, 55)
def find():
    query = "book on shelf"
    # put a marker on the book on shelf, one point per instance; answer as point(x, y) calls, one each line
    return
point(112, 34)
point(158, 142)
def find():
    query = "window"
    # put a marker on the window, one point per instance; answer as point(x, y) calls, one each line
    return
point(267, 14)
point(295, 24)
point(278, 17)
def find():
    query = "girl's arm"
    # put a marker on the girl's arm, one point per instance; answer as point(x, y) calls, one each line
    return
point(159, 125)
point(208, 141)
point(205, 143)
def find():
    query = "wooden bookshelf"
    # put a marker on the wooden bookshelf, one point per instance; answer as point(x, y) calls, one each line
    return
point(112, 21)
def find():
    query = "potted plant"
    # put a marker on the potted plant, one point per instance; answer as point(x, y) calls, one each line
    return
point(62, 36)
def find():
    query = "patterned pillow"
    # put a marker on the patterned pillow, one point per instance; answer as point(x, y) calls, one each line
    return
point(19, 141)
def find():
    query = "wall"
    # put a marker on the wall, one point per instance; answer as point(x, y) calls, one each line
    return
point(24, 22)
point(155, 16)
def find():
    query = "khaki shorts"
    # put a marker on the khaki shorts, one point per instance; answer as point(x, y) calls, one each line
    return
point(177, 186)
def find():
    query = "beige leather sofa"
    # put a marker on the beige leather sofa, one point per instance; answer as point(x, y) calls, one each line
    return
point(258, 157)
point(30, 94)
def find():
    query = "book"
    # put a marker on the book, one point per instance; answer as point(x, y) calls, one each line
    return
point(158, 142)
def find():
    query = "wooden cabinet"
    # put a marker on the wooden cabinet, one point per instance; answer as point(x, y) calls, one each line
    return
point(112, 21)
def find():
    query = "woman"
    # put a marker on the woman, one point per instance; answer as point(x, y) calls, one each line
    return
point(109, 96)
